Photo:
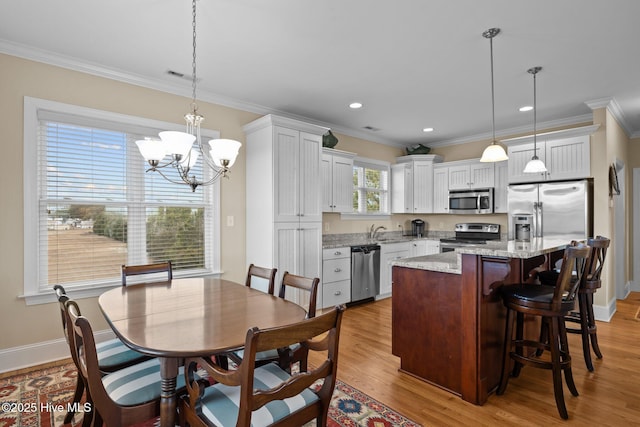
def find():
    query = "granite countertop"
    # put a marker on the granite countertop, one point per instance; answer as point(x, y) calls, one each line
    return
point(450, 262)
point(331, 241)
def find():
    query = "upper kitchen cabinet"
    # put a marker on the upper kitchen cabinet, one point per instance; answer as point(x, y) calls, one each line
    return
point(412, 183)
point(566, 154)
point(470, 174)
point(440, 188)
point(337, 180)
point(500, 188)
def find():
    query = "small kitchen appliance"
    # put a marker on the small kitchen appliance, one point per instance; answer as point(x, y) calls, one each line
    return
point(417, 228)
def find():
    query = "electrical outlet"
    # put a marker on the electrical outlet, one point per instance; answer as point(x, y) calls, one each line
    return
point(230, 221)
point(326, 226)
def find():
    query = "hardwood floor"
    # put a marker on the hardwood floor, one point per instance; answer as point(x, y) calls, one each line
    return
point(609, 396)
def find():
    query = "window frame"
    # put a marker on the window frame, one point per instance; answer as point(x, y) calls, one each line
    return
point(32, 106)
point(363, 162)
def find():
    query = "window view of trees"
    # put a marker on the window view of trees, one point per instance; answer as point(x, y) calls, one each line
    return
point(370, 190)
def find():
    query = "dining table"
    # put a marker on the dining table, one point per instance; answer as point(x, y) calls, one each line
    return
point(190, 317)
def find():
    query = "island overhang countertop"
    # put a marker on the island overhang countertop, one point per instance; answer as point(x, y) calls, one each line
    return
point(450, 262)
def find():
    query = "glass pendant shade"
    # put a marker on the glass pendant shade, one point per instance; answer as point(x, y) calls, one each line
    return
point(151, 150)
point(535, 165)
point(179, 143)
point(494, 153)
point(224, 149)
point(190, 161)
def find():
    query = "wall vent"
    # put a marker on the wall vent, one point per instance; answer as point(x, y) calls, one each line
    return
point(371, 128)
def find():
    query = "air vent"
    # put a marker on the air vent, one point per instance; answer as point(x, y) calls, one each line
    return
point(175, 73)
point(371, 128)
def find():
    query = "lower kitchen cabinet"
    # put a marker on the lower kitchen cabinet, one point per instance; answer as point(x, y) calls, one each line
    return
point(389, 252)
point(336, 276)
point(425, 247)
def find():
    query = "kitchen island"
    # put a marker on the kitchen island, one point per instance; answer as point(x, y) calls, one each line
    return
point(448, 318)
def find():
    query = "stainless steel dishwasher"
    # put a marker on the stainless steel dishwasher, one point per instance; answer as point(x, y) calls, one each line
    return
point(365, 272)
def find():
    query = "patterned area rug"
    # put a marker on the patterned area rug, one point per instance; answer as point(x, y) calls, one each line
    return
point(39, 398)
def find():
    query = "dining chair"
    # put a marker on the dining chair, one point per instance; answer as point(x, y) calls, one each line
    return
point(121, 398)
point(112, 354)
point(261, 278)
point(267, 395)
point(307, 288)
point(148, 269)
point(551, 304)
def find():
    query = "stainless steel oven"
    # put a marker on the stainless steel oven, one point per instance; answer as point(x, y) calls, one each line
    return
point(471, 201)
point(470, 234)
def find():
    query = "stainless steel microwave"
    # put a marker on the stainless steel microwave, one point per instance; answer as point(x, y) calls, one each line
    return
point(471, 201)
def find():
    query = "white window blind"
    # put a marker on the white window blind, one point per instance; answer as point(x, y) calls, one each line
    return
point(371, 186)
point(97, 208)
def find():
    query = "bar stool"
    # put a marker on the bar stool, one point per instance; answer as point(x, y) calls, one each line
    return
point(584, 317)
point(551, 303)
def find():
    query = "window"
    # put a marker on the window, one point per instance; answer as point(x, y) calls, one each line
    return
point(91, 207)
point(371, 187)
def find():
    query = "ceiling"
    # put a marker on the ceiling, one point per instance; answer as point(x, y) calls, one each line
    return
point(412, 63)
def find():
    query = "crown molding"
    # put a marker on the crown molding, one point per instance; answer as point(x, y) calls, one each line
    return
point(613, 107)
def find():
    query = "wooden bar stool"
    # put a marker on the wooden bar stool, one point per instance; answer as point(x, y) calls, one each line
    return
point(551, 304)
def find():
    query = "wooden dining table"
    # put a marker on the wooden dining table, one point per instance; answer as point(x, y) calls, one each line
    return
point(190, 317)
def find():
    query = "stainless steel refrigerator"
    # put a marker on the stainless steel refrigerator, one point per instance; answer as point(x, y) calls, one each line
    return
point(556, 209)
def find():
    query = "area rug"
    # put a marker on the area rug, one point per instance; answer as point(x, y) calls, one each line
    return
point(39, 398)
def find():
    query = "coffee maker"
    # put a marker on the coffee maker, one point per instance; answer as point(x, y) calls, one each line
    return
point(417, 228)
point(523, 224)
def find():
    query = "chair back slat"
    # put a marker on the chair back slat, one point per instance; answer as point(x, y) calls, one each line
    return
point(147, 269)
point(572, 274)
point(304, 284)
point(267, 274)
point(599, 247)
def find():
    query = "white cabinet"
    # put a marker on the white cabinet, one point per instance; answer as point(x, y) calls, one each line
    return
point(283, 197)
point(336, 276)
point(471, 174)
point(424, 247)
point(337, 180)
point(565, 158)
point(440, 188)
point(500, 188)
point(389, 252)
point(412, 184)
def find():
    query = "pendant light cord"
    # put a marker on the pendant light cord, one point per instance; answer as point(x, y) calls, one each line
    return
point(493, 102)
point(194, 106)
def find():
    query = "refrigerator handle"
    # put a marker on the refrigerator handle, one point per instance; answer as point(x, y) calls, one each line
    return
point(540, 224)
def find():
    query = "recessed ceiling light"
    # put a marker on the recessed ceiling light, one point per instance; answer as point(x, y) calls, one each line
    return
point(525, 108)
point(355, 105)
point(427, 130)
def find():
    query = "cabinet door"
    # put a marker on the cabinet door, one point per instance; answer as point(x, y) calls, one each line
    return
point(389, 252)
point(519, 156)
point(310, 258)
point(402, 188)
point(459, 178)
point(342, 184)
point(422, 187)
point(310, 196)
point(500, 191)
point(440, 189)
point(327, 183)
point(482, 175)
point(287, 190)
point(568, 158)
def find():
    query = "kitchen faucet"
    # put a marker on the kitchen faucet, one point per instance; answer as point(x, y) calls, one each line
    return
point(373, 233)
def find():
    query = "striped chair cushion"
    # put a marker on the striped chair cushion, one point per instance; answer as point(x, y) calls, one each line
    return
point(220, 402)
point(113, 352)
point(266, 355)
point(137, 384)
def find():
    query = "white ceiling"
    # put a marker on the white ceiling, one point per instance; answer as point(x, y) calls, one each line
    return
point(412, 63)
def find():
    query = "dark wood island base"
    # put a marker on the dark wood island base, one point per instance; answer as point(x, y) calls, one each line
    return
point(448, 328)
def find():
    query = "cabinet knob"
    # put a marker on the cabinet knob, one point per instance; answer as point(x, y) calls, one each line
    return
point(337, 270)
point(337, 293)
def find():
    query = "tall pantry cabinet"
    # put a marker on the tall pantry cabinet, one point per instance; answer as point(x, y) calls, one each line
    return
point(284, 198)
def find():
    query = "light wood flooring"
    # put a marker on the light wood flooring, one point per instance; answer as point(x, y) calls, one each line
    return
point(609, 396)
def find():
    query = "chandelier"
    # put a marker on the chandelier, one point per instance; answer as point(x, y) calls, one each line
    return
point(494, 152)
point(179, 146)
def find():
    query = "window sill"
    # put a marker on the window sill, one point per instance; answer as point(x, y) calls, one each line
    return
point(359, 216)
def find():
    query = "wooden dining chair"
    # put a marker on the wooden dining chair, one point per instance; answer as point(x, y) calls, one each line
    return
point(121, 398)
point(152, 270)
point(267, 393)
point(551, 304)
point(112, 354)
point(261, 278)
point(308, 289)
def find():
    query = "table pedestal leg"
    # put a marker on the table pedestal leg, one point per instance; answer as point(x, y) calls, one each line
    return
point(169, 374)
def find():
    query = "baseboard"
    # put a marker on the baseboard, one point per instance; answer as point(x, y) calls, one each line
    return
point(25, 356)
point(604, 313)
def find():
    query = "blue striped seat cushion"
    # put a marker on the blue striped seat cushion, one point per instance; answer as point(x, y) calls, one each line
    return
point(266, 355)
point(138, 383)
point(113, 352)
point(220, 402)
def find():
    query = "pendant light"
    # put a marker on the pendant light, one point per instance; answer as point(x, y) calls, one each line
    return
point(494, 152)
point(535, 165)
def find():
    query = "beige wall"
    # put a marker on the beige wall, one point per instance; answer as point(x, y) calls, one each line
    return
point(25, 78)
